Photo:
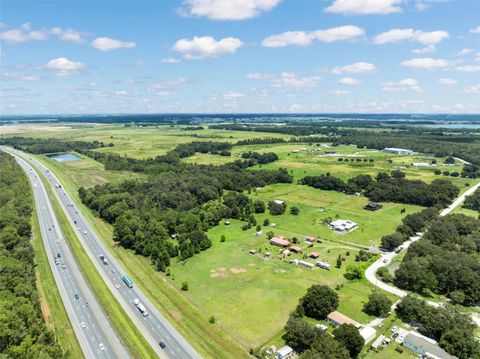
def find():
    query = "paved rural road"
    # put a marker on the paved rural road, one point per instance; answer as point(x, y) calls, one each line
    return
point(95, 335)
point(154, 327)
point(385, 259)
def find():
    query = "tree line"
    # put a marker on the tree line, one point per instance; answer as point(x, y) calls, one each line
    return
point(386, 187)
point(473, 201)
point(49, 145)
point(453, 330)
point(167, 215)
point(23, 333)
point(445, 261)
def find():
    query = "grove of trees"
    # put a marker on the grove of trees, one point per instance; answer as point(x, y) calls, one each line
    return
point(23, 333)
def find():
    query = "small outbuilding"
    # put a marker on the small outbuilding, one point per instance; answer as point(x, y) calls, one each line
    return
point(323, 265)
point(367, 333)
point(305, 264)
point(279, 201)
point(310, 239)
point(314, 255)
point(373, 206)
point(295, 249)
point(377, 343)
point(284, 352)
point(398, 151)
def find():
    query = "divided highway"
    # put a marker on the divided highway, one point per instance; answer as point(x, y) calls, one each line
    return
point(161, 335)
point(96, 336)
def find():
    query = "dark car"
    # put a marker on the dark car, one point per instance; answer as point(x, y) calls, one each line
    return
point(76, 296)
point(162, 344)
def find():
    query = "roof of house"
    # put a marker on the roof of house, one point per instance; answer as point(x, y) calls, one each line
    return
point(296, 248)
point(284, 351)
point(341, 224)
point(367, 333)
point(311, 239)
point(280, 241)
point(340, 318)
point(426, 345)
point(314, 254)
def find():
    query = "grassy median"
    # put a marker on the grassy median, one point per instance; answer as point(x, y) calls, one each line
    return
point(50, 300)
point(129, 334)
point(210, 340)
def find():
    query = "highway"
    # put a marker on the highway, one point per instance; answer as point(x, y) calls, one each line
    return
point(154, 326)
point(95, 335)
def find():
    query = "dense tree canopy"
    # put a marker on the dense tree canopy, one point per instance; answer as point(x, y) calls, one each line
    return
point(378, 304)
point(349, 335)
point(319, 301)
point(452, 329)
point(23, 333)
point(473, 201)
point(445, 260)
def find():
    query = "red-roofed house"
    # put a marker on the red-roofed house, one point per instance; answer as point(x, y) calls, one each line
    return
point(295, 249)
point(310, 239)
point(314, 255)
point(280, 242)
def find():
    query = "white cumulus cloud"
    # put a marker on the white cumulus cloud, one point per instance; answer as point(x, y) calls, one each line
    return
point(168, 86)
point(24, 33)
point(305, 38)
point(402, 85)
point(349, 81)
point(17, 76)
point(426, 63)
point(228, 9)
point(288, 80)
point(355, 68)
point(447, 81)
point(427, 38)
point(171, 60)
point(200, 48)
point(232, 95)
point(472, 89)
point(365, 7)
point(468, 68)
point(64, 67)
point(475, 30)
point(108, 44)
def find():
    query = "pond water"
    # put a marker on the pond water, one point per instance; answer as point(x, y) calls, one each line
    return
point(64, 157)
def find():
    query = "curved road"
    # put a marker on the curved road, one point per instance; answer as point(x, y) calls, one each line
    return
point(154, 327)
point(386, 258)
point(95, 335)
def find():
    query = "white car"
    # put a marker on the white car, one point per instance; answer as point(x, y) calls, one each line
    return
point(117, 286)
point(136, 301)
point(394, 329)
point(83, 325)
point(101, 346)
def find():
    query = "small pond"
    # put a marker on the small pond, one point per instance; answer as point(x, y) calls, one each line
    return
point(64, 157)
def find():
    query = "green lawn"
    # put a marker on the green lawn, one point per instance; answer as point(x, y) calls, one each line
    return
point(244, 291)
point(51, 303)
point(316, 205)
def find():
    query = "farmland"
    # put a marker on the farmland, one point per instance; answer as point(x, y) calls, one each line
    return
point(249, 295)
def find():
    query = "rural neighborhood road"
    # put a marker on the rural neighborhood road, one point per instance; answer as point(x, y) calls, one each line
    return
point(387, 258)
point(154, 327)
point(95, 335)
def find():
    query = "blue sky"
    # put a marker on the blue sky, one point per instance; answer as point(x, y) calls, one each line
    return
point(222, 56)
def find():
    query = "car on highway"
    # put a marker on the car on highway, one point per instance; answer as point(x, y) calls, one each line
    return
point(162, 344)
point(64, 266)
point(58, 255)
point(76, 296)
point(117, 286)
point(85, 232)
point(83, 325)
point(101, 346)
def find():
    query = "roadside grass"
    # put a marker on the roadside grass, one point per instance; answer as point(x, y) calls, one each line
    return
point(129, 334)
point(210, 340)
point(51, 303)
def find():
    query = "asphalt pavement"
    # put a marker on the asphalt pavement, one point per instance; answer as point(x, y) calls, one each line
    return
point(155, 327)
point(95, 335)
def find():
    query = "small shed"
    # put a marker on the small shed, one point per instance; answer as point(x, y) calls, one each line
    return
point(373, 206)
point(314, 255)
point(367, 333)
point(310, 239)
point(284, 352)
point(295, 249)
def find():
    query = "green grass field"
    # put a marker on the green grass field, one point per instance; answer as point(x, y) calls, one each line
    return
point(210, 340)
point(249, 296)
point(51, 303)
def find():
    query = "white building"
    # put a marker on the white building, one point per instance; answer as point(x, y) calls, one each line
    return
point(377, 342)
point(367, 333)
point(424, 346)
point(279, 201)
point(421, 164)
point(284, 352)
point(398, 151)
point(343, 226)
point(323, 265)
